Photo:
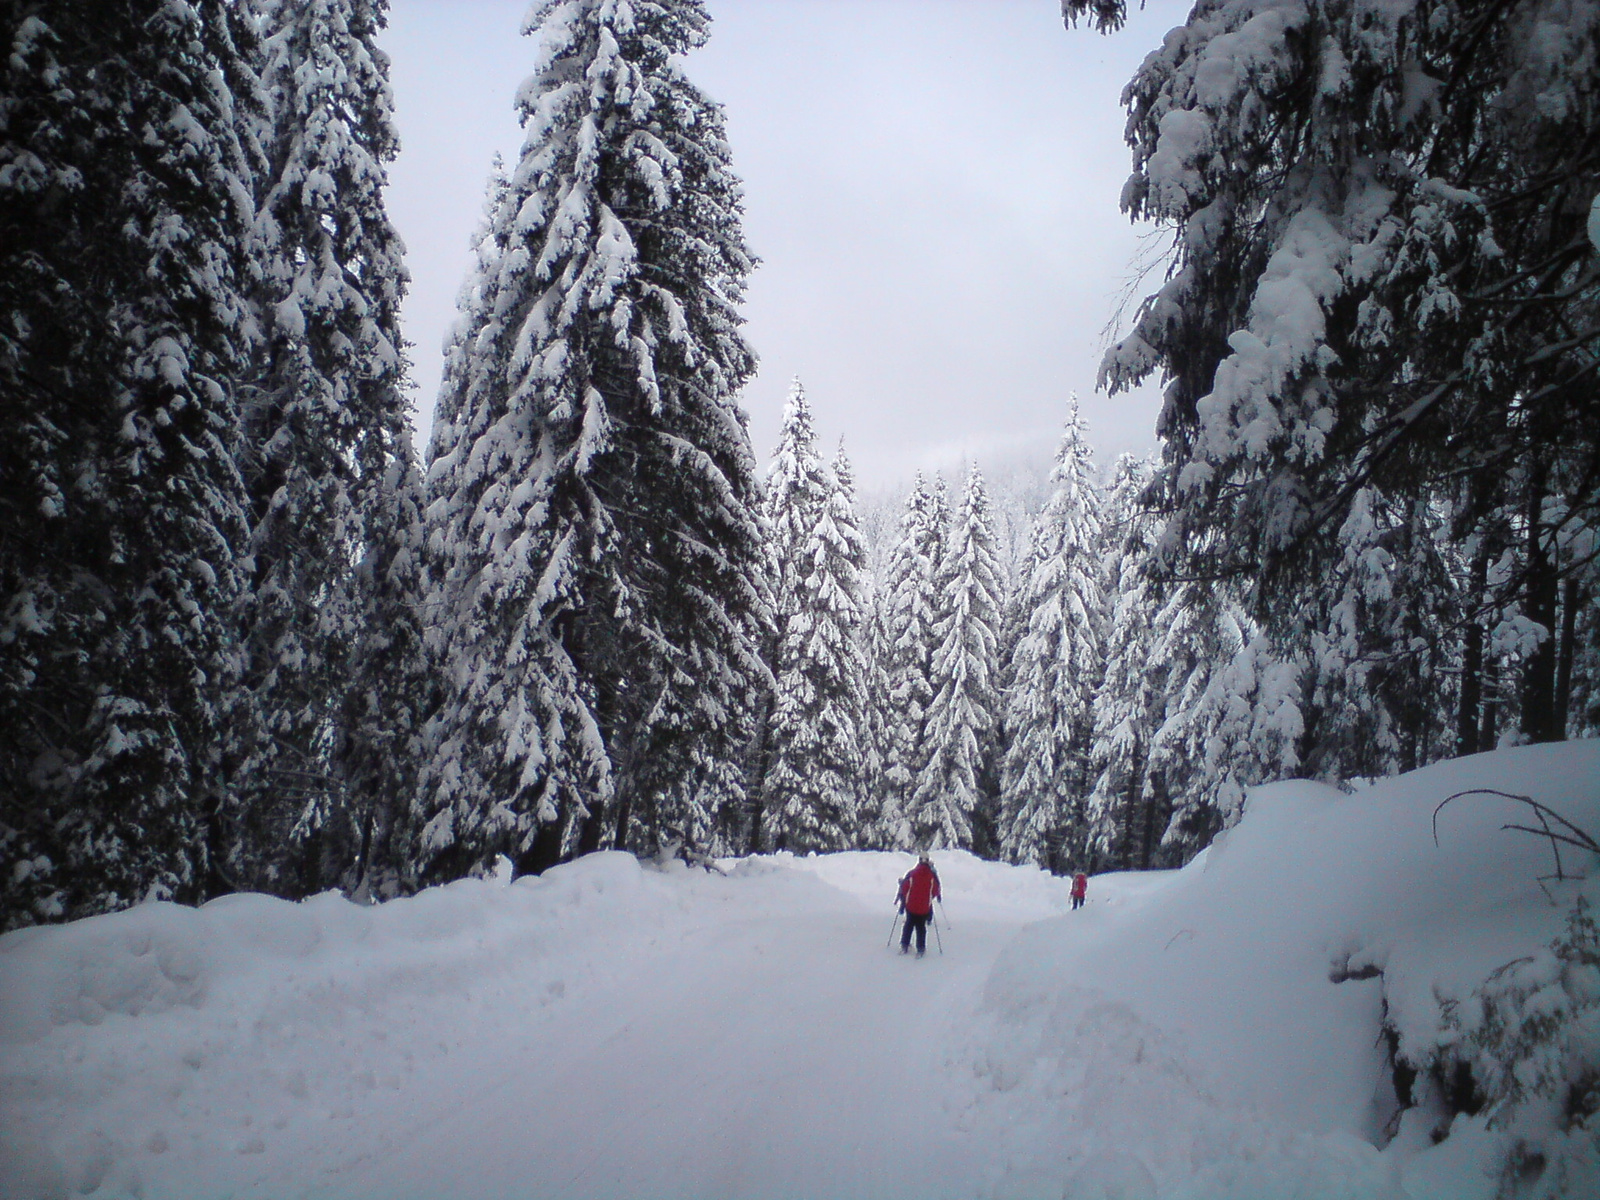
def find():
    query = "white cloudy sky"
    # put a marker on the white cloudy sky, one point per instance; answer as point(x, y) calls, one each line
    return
point(931, 186)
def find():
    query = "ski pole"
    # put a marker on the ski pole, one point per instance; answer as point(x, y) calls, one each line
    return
point(893, 921)
point(936, 935)
point(945, 911)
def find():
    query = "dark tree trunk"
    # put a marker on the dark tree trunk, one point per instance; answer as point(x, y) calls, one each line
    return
point(760, 762)
point(1539, 604)
point(593, 829)
point(1146, 799)
point(1571, 597)
point(1488, 720)
point(1471, 698)
point(545, 851)
point(624, 815)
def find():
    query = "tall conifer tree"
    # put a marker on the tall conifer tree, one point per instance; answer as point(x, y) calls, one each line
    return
point(814, 785)
point(126, 165)
point(593, 487)
point(906, 658)
point(1055, 668)
point(1380, 309)
point(962, 711)
point(1125, 821)
point(326, 451)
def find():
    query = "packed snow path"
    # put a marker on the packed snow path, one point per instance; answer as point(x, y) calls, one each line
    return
point(784, 1056)
point(611, 1029)
point(616, 1030)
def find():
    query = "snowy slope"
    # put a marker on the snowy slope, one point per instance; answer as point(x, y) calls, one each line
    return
point(617, 1030)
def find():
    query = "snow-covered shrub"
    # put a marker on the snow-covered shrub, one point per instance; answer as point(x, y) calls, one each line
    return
point(1520, 1056)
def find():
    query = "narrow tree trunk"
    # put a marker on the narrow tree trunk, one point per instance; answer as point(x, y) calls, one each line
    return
point(1571, 596)
point(1471, 697)
point(1539, 604)
point(593, 829)
point(1138, 795)
point(756, 787)
point(545, 851)
point(1488, 733)
point(624, 814)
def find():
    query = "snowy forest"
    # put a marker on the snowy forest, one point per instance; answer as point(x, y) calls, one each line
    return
point(252, 640)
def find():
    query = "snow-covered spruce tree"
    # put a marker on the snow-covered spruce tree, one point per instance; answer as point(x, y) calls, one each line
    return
point(592, 487)
point(327, 458)
point(797, 489)
point(1382, 671)
point(391, 690)
point(1055, 670)
point(1230, 712)
point(792, 501)
point(948, 791)
point(855, 586)
point(1381, 287)
point(905, 658)
point(1126, 815)
point(126, 210)
point(876, 813)
point(814, 785)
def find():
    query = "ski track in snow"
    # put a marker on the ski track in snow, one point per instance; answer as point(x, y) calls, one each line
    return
point(617, 1030)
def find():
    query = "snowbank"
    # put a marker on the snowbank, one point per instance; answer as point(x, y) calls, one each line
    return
point(617, 1029)
point(1226, 1021)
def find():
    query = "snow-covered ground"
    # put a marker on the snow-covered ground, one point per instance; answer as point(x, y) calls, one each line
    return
point(618, 1030)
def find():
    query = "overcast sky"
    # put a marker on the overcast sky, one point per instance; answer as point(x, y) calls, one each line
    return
point(931, 186)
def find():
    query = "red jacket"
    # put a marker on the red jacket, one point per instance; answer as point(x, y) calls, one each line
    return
point(919, 889)
point(1080, 885)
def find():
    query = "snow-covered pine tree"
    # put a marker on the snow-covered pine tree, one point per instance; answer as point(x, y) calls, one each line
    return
point(796, 494)
point(876, 813)
point(1125, 814)
point(855, 585)
point(962, 711)
point(1397, 311)
point(792, 499)
point(593, 488)
point(905, 658)
point(1055, 669)
point(1381, 671)
point(1230, 712)
point(392, 688)
point(814, 785)
point(326, 456)
point(126, 210)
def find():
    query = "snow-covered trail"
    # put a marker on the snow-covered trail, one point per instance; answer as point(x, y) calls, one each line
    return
point(606, 1030)
point(780, 1057)
point(613, 1029)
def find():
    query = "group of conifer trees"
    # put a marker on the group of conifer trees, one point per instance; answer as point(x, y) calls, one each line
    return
point(247, 641)
point(1380, 337)
point(208, 548)
point(1084, 704)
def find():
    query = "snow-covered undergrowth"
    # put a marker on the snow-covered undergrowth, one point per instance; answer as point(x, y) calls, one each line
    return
point(611, 1029)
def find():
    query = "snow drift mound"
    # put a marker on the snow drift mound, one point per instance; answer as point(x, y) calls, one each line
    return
point(1327, 1003)
point(1300, 1011)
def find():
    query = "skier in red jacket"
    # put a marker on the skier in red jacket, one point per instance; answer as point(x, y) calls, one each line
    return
point(918, 890)
point(1080, 888)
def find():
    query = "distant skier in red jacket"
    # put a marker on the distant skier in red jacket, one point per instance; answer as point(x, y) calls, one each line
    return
point(1080, 889)
point(918, 890)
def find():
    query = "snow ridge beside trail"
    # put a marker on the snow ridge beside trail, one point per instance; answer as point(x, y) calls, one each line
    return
point(617, 1030)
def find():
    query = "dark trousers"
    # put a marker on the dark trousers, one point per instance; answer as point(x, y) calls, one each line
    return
point(1077, 902)
point(919, 922)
